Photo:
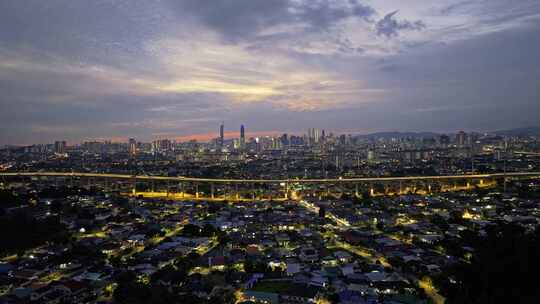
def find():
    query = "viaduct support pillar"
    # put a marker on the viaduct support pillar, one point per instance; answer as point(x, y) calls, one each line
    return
point(327, 190)
point(182, 193)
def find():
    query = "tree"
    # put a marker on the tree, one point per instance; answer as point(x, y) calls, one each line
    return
point(500, 271)
point(440, 222)
point(170, 275)
point(208, 231)
point(30, 232)
point(222, 296)
point(129, 290)
point(56, 206)
point(345, 196)
point(191, 230)
point(9, 199)
point(223, 238)
point(333, 298)
point(256, 267)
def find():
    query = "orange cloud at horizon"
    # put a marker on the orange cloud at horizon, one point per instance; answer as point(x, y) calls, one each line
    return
point(229, 134)
point(204, 137)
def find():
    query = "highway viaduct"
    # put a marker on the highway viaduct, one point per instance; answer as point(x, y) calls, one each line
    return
point(219, 189)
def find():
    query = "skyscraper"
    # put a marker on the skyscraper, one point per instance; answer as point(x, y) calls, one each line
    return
point(132, 146)
point(461, 139)
point(60, 147)
point(444, 140)
point(313, 136)
point(242, 137)
point(222, 134)
point(285, 139)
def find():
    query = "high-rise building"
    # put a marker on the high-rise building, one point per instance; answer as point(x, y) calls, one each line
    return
point(60, 147)
point(342, 139)
point(285, 139)
point(275, 143)
point(161, 146)
point(222, 134)
point(461, 139)
point(444, 140)
point(132, 146)
point(313, 136)
point(242, 137)
point(371, 156)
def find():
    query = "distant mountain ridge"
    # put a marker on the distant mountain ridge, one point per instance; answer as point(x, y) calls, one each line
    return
point(397, 134)
point(527, 131)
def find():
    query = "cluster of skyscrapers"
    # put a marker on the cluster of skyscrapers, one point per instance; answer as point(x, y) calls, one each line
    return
point(314, 139)
point(241, 143)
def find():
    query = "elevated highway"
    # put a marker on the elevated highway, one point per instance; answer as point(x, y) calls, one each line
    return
point(250, 189)
point(301, 181)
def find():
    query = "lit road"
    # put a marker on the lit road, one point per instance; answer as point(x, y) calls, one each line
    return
point(305, 181)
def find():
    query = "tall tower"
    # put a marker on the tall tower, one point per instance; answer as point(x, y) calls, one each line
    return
point(461, 139)
point(311, 136)
point(132, 146)
point(222, 134)
point(60, 147)
point(242, 137)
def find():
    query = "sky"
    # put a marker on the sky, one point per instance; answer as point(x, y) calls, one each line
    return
point(81, 70)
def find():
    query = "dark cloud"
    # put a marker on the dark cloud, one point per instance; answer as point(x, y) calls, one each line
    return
point(481, 84)
point(74, 69)
point(390, 27)
point(325, 14)
point(237, 20)
point(81, 31)
point(454, 7)
point(489, 14)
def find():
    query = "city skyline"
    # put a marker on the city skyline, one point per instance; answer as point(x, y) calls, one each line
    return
point(269, 151)
point(82, 70)
point(229, 134)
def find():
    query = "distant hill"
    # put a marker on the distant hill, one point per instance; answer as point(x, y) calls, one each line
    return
point(528, 131)
point(400, 135)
